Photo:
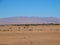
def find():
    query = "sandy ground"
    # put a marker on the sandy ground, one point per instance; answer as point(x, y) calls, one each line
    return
point(29, 38)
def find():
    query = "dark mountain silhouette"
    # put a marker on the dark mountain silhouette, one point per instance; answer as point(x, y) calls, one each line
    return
point(29, 20)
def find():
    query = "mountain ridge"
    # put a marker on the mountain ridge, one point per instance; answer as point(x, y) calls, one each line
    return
point(29, 20)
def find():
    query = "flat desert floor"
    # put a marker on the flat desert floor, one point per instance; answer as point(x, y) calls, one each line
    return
point(29, 38)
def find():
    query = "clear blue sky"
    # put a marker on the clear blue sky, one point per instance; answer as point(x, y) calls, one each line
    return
point(39, 8)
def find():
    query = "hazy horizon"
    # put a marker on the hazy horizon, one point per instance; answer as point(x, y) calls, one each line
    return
point(29, 17)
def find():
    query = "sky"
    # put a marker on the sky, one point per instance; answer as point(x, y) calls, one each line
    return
point(29, 8)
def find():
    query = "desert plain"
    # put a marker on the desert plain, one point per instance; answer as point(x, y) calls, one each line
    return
point(44, 34)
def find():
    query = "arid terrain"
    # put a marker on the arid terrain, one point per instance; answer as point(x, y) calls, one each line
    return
point(30, 35)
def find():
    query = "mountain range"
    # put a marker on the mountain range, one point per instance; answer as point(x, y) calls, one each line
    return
point(29, 20)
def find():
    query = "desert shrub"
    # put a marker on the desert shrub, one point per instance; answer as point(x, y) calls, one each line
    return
point(27, 25)
point(18, 27)
point(0, 30)
point(7, 30)
point(4, 30)
point(41, 30)
point(30, 29)
point(10, 28)
point(58, 36)
point(57, 29)
point(24, 27)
